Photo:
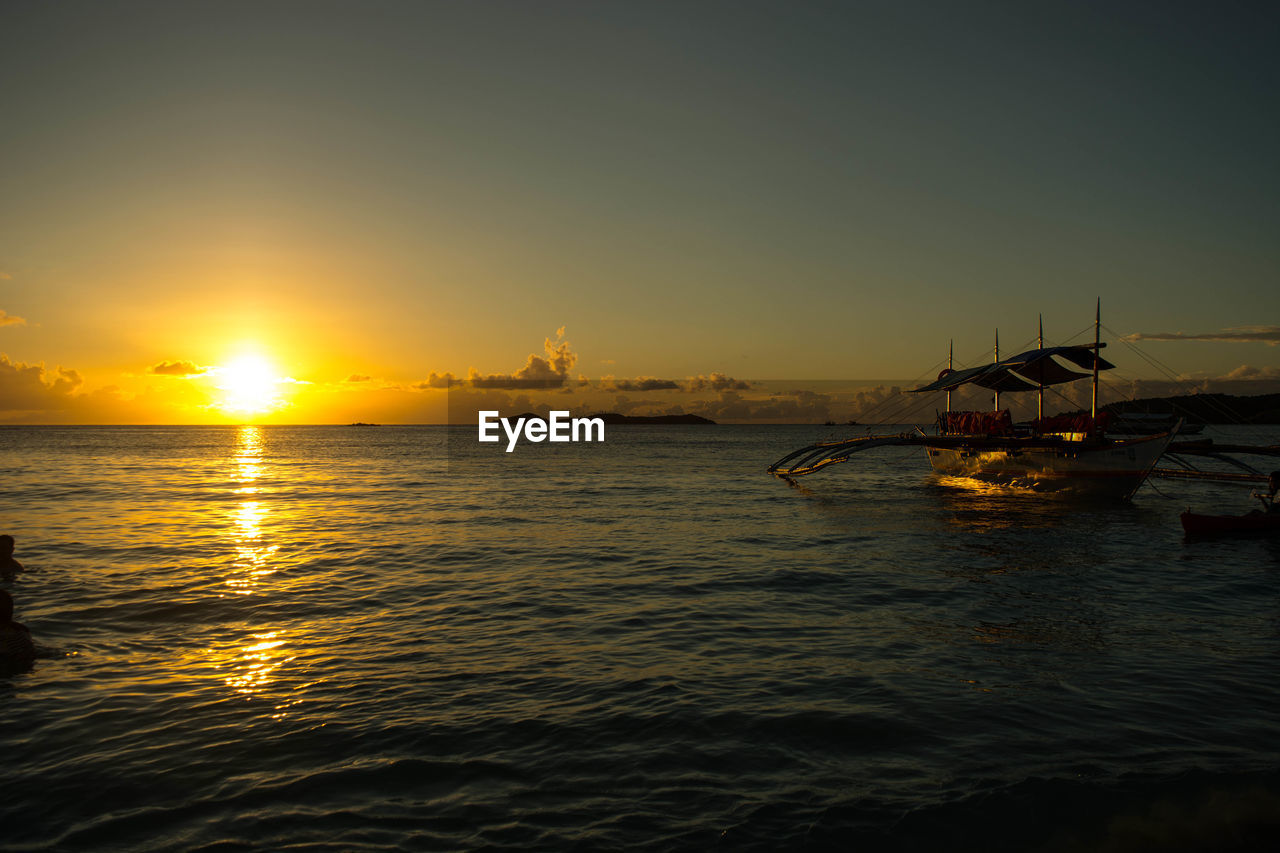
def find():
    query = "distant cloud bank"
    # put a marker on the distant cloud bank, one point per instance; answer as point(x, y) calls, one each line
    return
point(176, 368)
point(32, 393)
point(1253, 374)
point(640, 383)
point(1269, 335)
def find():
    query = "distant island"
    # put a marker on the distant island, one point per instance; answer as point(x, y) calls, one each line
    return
point(1207, 408)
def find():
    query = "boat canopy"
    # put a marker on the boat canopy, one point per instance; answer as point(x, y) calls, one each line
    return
point(1023, 372)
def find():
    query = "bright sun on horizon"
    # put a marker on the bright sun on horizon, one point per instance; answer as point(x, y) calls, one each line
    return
point(249, 386)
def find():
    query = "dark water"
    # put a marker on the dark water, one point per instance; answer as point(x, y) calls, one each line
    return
point(344, 638)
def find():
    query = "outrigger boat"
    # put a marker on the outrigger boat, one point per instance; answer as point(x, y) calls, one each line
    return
point(1070, 452)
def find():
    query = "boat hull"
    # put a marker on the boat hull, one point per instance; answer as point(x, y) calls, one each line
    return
point(1230, 525)
point(1106, 468)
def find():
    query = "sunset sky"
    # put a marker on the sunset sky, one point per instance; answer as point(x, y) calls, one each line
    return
point(307, 212)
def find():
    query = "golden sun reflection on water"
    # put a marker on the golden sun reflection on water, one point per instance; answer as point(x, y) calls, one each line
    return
point(252, 553)
point(256, 670)
point(254, 665)
point(253, 668)
point(248, 459)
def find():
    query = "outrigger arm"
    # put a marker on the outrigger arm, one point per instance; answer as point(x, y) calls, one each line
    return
point(1206, 448)
point(806, 460)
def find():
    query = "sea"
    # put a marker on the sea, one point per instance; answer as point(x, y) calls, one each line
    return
point(394, 638)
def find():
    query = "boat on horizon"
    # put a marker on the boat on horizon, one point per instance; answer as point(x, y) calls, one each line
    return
point(1072, 452)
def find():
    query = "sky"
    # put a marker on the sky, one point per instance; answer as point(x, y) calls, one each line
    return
point(314, 212)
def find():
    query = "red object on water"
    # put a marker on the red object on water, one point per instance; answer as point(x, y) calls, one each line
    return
point(1217, 525)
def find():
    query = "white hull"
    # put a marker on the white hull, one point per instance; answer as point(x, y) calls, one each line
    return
point(1114, 468)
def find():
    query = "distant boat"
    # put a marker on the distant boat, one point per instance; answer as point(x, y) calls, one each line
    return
point(1257, 521)
point(361, 423)
point(1265, 520)
point(1071, 453)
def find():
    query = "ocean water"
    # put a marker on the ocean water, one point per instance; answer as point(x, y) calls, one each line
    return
point(383, 639)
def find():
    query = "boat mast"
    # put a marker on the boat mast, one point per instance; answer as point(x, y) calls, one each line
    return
point(1097, 346)
point(996, 361)
point(1040, 389)
point(951, 351)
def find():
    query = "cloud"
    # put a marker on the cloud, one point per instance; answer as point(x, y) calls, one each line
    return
point(538, 372)
point(553, 371)
point(358, 377)
point(640, 383)
point(624, 405)
point(866, 402)
point(464, 404)
point(67, 381)
point(792, 406)
point(7, 319)
point(437, 380)
point(176, 368)
point(1249, 372)
point(27, 388)
point(715, 382)
point(799, 406)
point(1269, 335)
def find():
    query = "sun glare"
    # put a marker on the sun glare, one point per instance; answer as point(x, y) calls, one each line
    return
point(249, 386)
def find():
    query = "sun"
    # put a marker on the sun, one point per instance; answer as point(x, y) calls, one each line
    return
point(249, 386)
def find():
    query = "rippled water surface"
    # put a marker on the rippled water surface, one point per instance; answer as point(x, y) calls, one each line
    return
point(348, 638)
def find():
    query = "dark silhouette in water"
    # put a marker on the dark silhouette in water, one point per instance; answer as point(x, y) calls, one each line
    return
point(17, 652)
point(1268, 499)
point(8, 565)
